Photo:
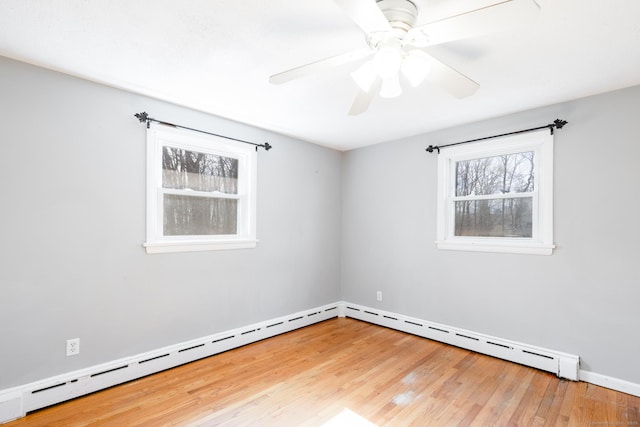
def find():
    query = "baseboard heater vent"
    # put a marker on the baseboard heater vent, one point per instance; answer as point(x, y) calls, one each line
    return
point(48, 388)
point(17, 401)
point(193, 347)
point(413, 323)
point(468, 337)
point(108, 371)
point(546, 356)
point(154, 358)
point(500, 345)
point(562, 364)
point(230, 337)
point(271, 326)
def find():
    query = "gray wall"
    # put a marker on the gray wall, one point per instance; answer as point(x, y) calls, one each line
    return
point(584, 299)
point(72, 224)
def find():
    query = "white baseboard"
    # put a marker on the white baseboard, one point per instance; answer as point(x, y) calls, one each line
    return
point(17, 401)
point(562, 364)
point(10, 406)
point(610, 382)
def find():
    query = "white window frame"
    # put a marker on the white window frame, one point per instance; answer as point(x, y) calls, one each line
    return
point(161, 135)
point(541, 242)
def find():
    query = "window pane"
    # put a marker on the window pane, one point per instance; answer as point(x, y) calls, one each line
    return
point(494, 217)
point(190, 216)
point(184, 169)
point(510, 173)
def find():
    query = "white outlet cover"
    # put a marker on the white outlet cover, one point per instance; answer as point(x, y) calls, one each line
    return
point(73, 346)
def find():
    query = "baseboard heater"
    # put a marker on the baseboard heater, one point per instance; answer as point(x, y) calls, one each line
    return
point(16, 402)
point(562, 364)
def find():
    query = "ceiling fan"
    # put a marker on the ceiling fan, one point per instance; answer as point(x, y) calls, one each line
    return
point(397, 46)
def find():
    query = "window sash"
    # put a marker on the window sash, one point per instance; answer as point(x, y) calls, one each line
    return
point(493, 196)
point(479, 171)
point(205, 151)
point(534, 220)
point(218, 196)
point(194, 193)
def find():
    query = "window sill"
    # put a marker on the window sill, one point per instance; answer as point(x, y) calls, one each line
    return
point(195, 246)
point(497, 247)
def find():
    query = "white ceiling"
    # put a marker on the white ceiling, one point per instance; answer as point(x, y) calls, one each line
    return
point(217, 56)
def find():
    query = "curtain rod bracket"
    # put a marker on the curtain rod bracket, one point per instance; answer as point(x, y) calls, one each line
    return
point(557, 124)
point(144, 117)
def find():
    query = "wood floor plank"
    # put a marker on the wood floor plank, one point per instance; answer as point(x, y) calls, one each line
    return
point(312, 375)
point(565, 407)
point(499, 408)
point(524, 413)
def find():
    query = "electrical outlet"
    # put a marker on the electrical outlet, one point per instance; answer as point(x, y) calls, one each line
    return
point(73, 346)
point(379, 295)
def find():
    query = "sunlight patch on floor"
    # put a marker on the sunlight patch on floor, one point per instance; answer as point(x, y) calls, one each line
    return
point(348, 418)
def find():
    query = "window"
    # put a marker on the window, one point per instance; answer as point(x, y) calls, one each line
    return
point(497, 196)
point(200, 192)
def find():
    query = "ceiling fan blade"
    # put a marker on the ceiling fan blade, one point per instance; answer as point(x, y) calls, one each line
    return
point(366, 14)
point(363, 99)
point(451, 80)
point(323, 64)
point(500, 16)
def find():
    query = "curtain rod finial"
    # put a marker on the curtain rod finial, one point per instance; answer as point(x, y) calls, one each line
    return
point(559, 123)
point(143, 117)
point(433, 147)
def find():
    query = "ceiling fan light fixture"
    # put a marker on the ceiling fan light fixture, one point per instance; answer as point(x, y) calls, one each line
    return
point(388, 59)
point(391, 87)
point(415, 66)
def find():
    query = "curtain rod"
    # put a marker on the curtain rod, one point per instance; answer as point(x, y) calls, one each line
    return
point(144, 117)
point(557, 123)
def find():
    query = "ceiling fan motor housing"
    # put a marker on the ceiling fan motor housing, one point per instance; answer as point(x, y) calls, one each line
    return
point(401, 14)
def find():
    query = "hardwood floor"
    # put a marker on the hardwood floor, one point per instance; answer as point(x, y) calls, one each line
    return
point(347, 370)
